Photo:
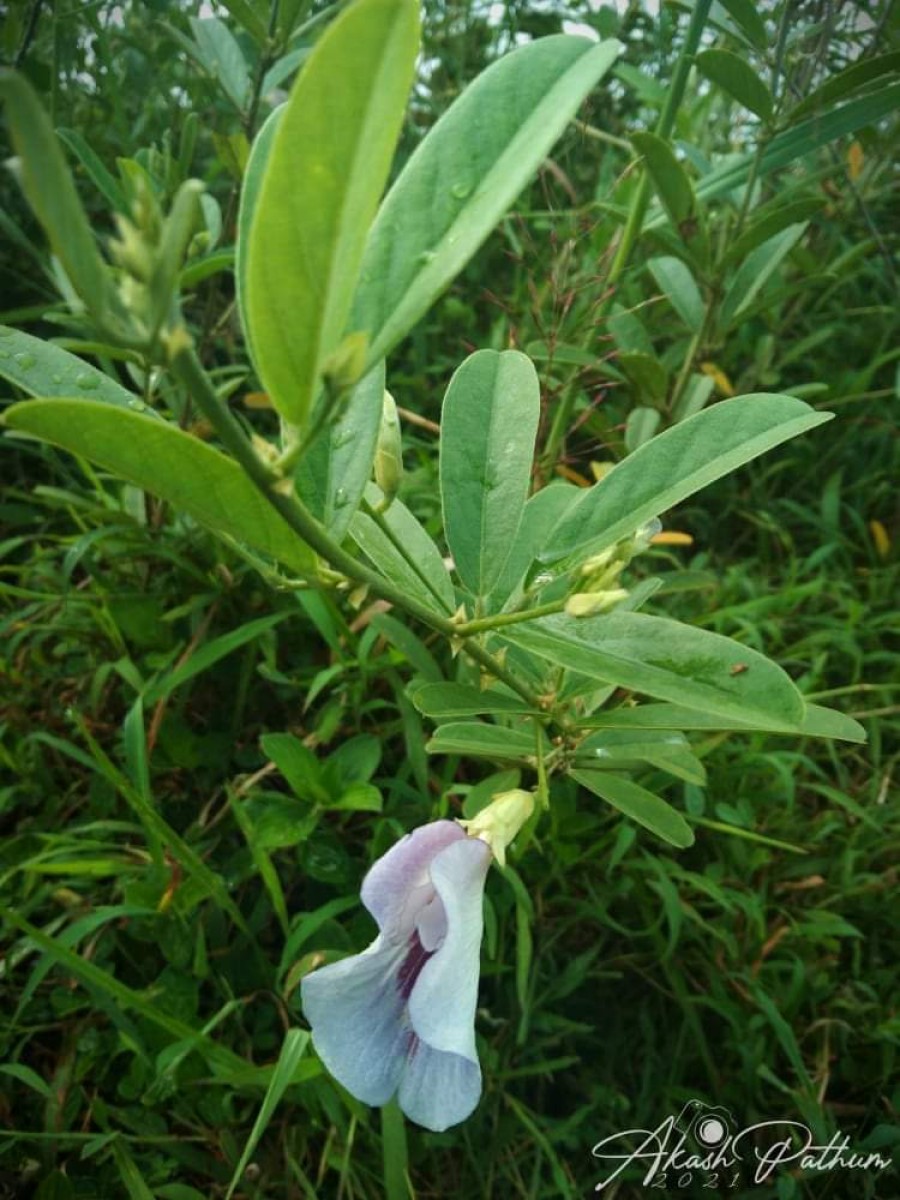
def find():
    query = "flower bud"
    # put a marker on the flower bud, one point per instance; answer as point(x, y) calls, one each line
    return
point(343, 369)
point(389, 452)
point(501, 820)
point(589, 604)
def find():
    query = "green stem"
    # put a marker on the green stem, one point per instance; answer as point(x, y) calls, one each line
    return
point(512, 618)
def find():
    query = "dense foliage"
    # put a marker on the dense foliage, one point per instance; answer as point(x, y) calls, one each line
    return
point(201, 759)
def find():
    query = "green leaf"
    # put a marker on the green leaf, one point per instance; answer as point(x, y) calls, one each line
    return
point(104, 180)
point(293, 1048)
point(667, 660)
point(43, 369)
point(209, 654)
point(747, 18)
point(754, 271)
point(133, 1180)
point(849, 80)
point(816, 722)
point(623, 749)
point(735, 76)
point(696, 394)
point(768, 223)
point(481, 740)
point(668, 175)
point(675, 279)
point(642, 806)
point(334, 471)
point(674, 465)
point(124, 997)
point(51, 193)
point(397, 545)
point(465, 175)
point(458, 700)
point(647, 376)
point(799, 140)
point(171, 464)
point(29, 1077)
point(223, 58)
point(298, 765)
point(359, 797)
point(542, 511)
point(254, 173)
point(641, 426)
point(327, 166)
point(243, 12)
point(488, 425)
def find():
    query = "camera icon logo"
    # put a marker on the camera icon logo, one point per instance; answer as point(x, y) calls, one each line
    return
point(707, 1125)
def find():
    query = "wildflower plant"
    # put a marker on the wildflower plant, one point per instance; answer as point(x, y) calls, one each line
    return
point(557, 670)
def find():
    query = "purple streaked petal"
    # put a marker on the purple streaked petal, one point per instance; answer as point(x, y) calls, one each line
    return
point(398, 886)
point(439, 1089)
point(443, 1000)
point(359, 1026)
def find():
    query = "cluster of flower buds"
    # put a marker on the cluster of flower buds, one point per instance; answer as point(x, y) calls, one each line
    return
point(597, 588)
point(150, 250)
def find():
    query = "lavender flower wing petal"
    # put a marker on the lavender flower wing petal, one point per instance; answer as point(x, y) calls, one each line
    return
point(360, 1030)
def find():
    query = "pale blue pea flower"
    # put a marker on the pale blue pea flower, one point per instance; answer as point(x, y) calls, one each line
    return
point(400, 1017)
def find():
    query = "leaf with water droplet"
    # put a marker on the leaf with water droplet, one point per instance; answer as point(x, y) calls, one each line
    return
point(43, 369)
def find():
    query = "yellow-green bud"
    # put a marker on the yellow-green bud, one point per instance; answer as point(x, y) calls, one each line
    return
point(342, 369)
point(500, 822)
point(389, 452)
point(589, 604)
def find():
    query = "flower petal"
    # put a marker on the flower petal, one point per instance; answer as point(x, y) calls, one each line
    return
point(438, 1089)
point(397, 886)
point(442, 1002)
point(359, 1027)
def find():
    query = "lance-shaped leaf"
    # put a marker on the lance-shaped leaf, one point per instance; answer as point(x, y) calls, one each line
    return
point(465, 175)
point(669, 661)
point(50, 191)
point(642, 806)
point(669, 177)
point(755, 270)
point(398, 546)
point(675, 464)
point(43, 369)
point(327, 167)
point(817, 721)
point(334, 471)
point(252, 182)
point(171, 464)
point(736, 77)
point(488, 426)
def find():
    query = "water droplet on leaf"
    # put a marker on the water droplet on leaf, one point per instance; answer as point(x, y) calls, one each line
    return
point(86, 382)
point(25, 361)
point(461, 189)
